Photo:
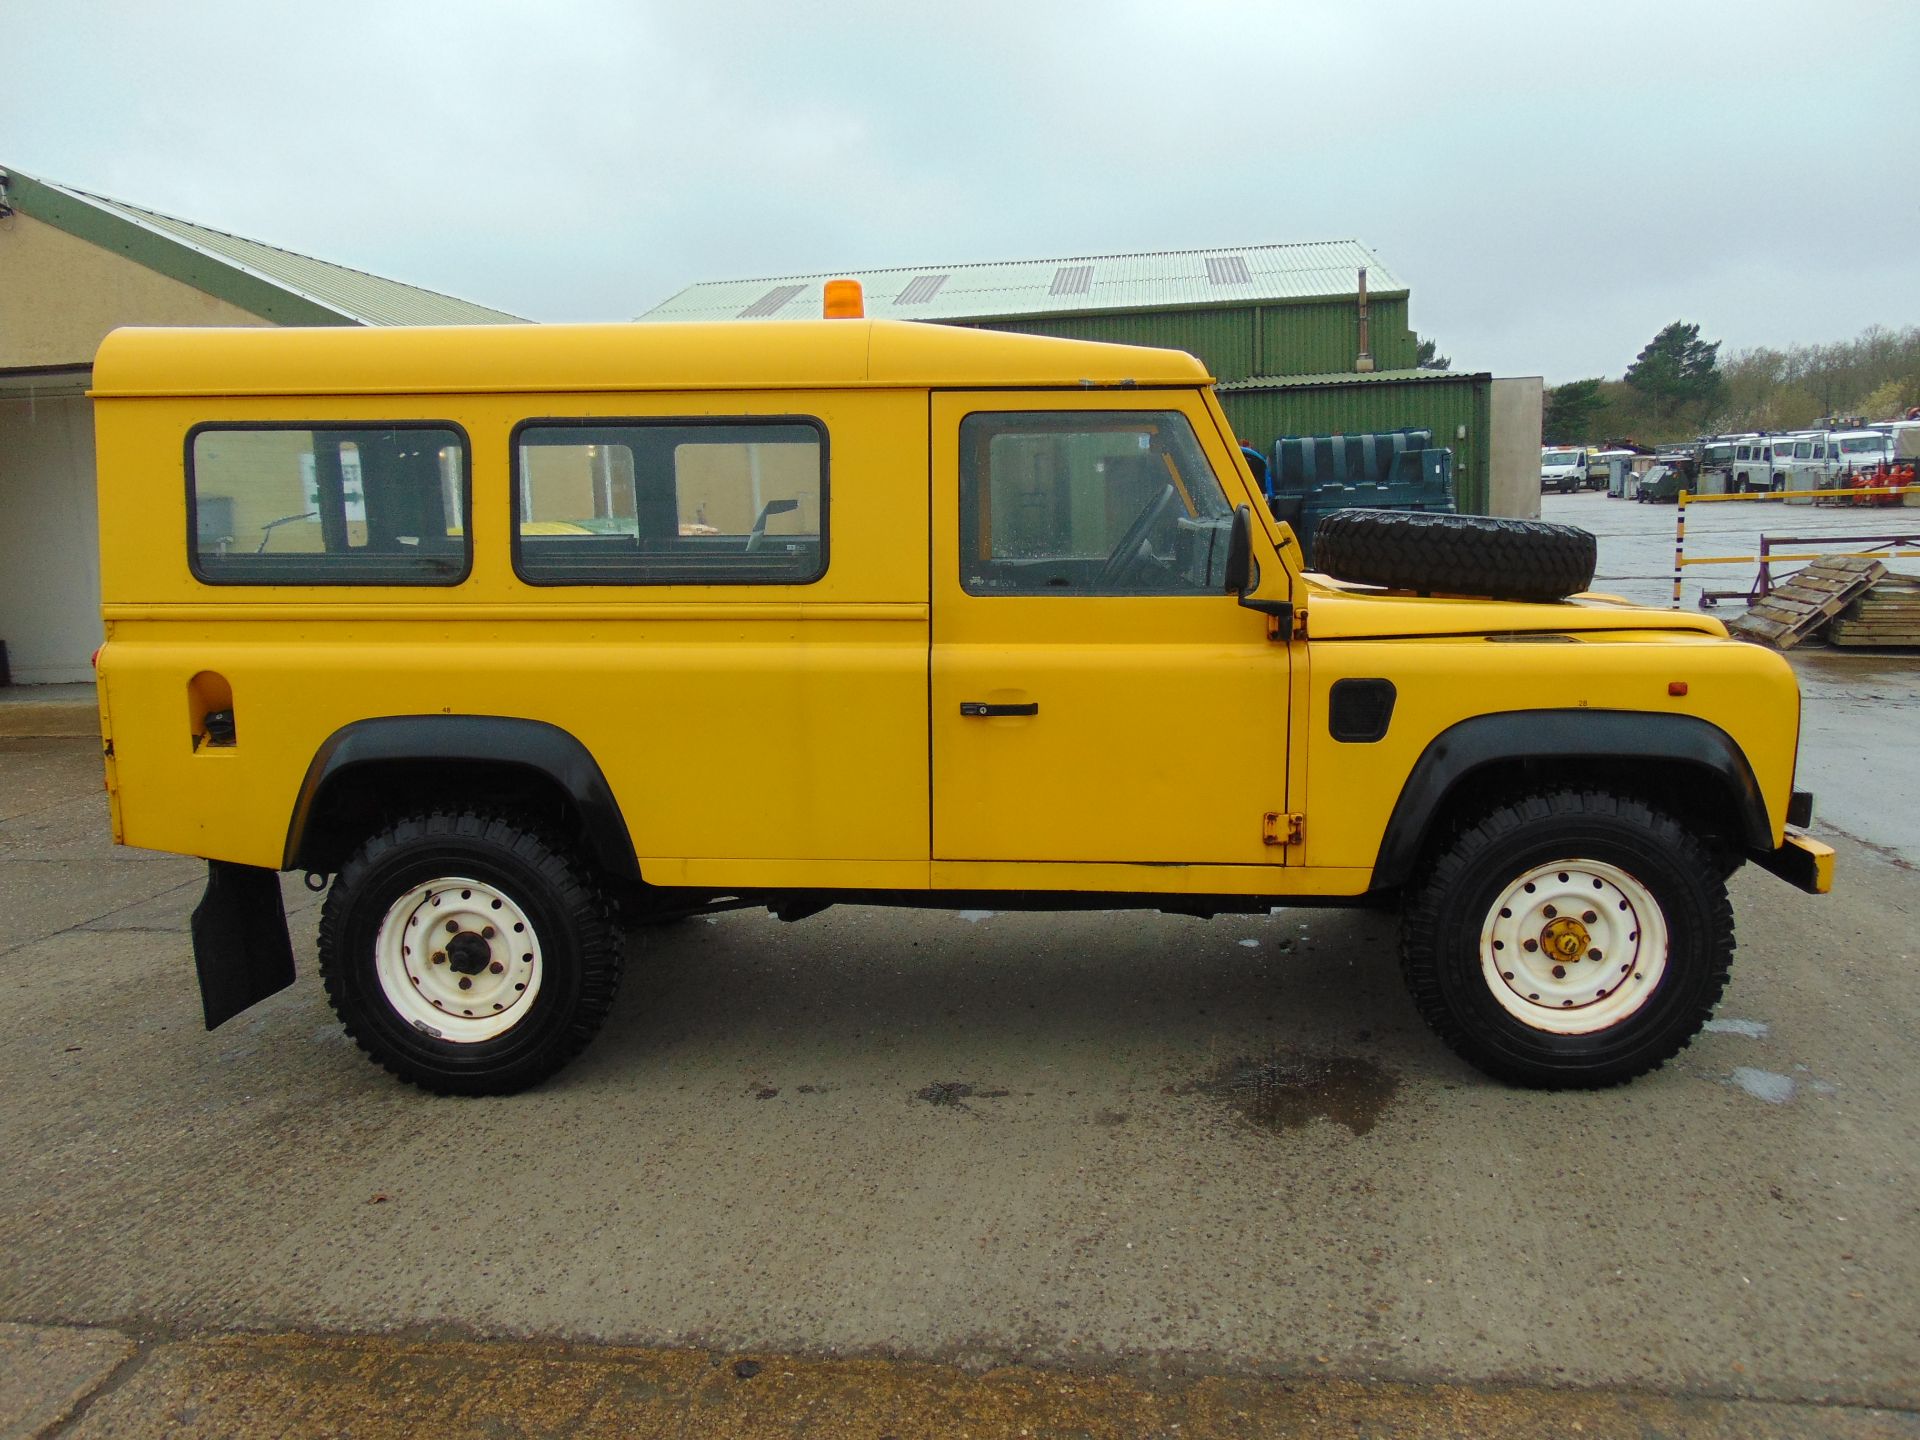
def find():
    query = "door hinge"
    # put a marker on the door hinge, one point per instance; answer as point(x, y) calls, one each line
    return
point(1288, 829)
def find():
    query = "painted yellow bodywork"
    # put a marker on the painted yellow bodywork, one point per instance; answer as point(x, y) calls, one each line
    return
point(775, 736)
point(1819, 856)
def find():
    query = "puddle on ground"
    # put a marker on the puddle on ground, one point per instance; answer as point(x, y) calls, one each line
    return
point(1777, 1089)
point(954, 1094)
point(1752, 1029)
point(1285, 1092)
point(1764, 1084)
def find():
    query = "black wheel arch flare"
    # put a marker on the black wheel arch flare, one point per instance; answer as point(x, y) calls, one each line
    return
point(1452, 757)
point(544, 750)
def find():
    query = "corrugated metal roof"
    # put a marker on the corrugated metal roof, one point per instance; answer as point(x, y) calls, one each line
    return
point(352, 294)
point(1348, 377)
point(1158, 280)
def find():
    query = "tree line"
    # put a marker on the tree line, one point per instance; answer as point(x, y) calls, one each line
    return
point(1678, 386)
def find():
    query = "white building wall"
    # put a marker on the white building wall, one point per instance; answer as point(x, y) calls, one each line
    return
point(49, 538)
point(1514, 472)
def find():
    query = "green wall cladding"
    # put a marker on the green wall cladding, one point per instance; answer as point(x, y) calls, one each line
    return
point(1317, 339)
point(1307, 337)
point(1239, 342)
point(1223, 339)
point(1260, 417)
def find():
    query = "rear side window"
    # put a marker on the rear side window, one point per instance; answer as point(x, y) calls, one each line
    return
point(677, 502)
point(341, 505)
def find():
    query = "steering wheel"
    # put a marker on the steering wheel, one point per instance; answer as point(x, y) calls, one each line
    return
point(1125, 556)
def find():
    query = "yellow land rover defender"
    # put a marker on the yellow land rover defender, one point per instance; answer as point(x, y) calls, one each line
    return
point(512, 635)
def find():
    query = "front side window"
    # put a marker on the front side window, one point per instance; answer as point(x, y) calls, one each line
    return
point(1089, 503)
point(1803, 449)
point(678, 502)
point(340, 505)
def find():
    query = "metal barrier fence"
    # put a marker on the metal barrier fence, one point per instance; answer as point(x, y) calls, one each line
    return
point(1765, 557)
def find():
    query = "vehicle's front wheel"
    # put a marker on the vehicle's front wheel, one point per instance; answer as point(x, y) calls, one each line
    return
point(467, 953)
point(1568, 939)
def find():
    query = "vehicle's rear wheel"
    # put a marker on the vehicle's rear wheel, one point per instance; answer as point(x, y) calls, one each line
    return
point(468, 954)
point(1568, 939)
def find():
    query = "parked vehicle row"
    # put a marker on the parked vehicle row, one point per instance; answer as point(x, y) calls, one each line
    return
point(1747, 463)
point(1799, 460)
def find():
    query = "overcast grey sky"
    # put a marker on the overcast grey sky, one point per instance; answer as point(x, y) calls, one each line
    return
point(1554, 181)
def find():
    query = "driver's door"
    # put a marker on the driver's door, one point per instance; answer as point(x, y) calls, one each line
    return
point(1096, 695)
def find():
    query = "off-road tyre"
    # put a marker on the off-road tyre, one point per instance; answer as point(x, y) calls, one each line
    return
point(561, 909)
point(1644, 859)
point(1455, 554)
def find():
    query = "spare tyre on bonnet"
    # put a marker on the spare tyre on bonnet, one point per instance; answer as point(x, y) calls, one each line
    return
point(1456, 554)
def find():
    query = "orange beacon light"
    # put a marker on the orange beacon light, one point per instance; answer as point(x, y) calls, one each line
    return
point(844, 301)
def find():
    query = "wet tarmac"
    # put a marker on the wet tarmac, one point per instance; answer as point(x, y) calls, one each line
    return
point(1284, 1092)
point(1636, 541)
point(1127, 1150)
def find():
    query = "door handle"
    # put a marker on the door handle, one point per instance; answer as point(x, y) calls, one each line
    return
point(980, 707)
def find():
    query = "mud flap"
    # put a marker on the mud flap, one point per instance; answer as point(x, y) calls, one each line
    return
point(240, 944)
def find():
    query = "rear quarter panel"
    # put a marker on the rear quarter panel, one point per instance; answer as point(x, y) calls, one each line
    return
point(719, 714)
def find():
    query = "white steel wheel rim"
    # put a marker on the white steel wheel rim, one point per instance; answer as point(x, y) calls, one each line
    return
point(1573, 947)
point(451, 930)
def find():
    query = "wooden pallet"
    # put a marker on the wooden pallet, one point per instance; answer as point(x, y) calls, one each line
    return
point(1808, 600)
point(1888, 614)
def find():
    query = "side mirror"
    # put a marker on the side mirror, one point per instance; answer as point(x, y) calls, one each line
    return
point(1240, 569)
point(1240, 552)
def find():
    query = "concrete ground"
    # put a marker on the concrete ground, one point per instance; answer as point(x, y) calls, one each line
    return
point(962, 1172)
point(1636, 541)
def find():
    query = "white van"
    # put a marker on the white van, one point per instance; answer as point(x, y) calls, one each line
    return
point(1563, 468)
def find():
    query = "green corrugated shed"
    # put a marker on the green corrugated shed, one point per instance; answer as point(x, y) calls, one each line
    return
point(1231, 275)
point(1241, 341)
point(1278, 325)
point(1245, 310)
point(1456, 407)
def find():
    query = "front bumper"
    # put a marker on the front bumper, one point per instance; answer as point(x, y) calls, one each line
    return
point(1802, 862)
